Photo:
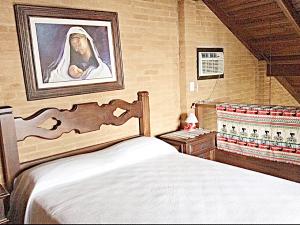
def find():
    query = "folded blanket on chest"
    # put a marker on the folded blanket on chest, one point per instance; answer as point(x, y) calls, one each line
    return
point(270, 132)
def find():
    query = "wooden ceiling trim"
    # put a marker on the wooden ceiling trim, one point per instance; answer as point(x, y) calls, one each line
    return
point(248, 5)
point(266, 23)
point(283, 69)
point(286, 84)
point(274, 62)
point(291, 13)
point(273, 27)
point(257, 14)
point(262, 19)
point(226, 4)
point(291, 59)
point(288, 50)
point(280, 32)
point(263, 10)
point(274, 39)
point(241, 34)
point(278, 44)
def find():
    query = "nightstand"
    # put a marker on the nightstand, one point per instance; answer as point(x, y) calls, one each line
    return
point(202, 146)
point(3, 195)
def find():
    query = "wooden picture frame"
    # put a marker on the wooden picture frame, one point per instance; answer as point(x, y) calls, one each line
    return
point(68, 51)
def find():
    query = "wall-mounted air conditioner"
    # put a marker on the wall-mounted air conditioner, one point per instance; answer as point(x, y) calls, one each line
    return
point(210, 63)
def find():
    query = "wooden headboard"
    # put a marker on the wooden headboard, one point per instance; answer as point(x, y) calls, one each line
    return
point(82, 118)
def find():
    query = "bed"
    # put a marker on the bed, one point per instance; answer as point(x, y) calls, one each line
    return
point(135, 180)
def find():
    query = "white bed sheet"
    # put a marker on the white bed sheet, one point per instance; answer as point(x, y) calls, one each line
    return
point(162, 186)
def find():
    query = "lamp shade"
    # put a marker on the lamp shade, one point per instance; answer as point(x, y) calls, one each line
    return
point(191, 118)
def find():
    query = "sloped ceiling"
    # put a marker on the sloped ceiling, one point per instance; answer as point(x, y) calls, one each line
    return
point(270, 29)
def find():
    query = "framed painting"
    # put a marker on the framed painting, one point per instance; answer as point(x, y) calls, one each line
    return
point(68, 51)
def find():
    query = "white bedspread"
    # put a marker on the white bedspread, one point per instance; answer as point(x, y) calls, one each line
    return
point(150, 182)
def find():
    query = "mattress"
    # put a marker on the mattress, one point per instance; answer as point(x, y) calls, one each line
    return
point(145, 180)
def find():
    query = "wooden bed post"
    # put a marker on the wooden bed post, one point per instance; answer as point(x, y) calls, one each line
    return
point(199, 113)
point(8, 145)
point(144, 121)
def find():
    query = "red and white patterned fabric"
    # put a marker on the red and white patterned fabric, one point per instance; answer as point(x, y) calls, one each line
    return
point(269, 132)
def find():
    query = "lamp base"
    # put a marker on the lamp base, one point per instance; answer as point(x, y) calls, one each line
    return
point(189, 127)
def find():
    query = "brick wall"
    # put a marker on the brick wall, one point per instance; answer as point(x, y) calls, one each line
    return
point(245, 79)
point(204, 29)
point(149, 41)
point(270, 91)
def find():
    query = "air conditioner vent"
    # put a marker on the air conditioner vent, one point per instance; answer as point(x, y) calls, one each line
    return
point(210, 63)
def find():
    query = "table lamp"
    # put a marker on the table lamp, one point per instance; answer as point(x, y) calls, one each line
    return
point(191, 121)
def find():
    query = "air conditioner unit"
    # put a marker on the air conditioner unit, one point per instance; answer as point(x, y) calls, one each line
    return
point(210, 63)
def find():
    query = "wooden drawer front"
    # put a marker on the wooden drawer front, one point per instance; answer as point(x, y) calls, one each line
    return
point(206, 155)
point(202, 147)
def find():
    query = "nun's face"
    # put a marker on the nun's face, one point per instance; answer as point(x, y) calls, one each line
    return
point(80, 44)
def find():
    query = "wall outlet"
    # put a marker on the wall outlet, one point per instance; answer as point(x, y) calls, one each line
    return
point(192, 86)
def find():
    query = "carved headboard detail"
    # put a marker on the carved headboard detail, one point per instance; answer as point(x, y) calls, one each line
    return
point(82, 118)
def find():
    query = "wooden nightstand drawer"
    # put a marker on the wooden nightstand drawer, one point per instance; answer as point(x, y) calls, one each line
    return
point(206, 155)
point(200, 146)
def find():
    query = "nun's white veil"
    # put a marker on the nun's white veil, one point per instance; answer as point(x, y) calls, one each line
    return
point(60, 73)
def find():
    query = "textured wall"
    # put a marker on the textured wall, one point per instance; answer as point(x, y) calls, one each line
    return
point(245, 77)
point(270, 91)
point(149, 40)
point(204, 29)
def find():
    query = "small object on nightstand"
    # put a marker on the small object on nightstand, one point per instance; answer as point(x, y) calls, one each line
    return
point(3, 195)
point(187, 134)
point(191, 121)
point(199, 142)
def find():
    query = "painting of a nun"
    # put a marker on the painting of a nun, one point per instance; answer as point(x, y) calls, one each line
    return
point(69, 51)
point(80, 59)
point(73, 54)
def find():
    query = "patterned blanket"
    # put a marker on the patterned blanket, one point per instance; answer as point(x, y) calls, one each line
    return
point(269, 132)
